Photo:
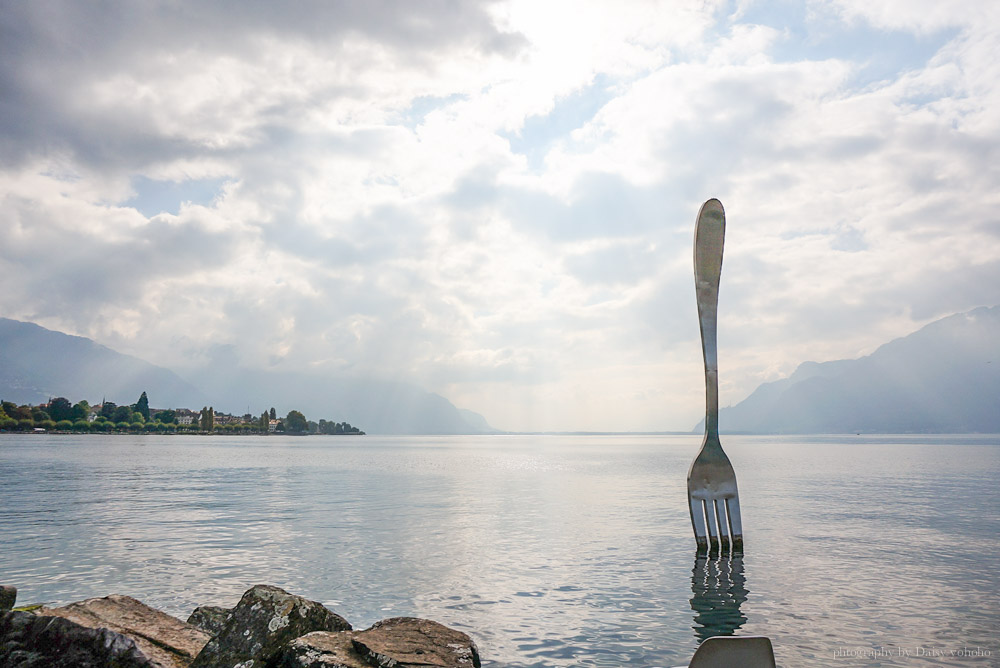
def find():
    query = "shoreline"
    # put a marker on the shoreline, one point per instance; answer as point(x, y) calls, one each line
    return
point(269, 626)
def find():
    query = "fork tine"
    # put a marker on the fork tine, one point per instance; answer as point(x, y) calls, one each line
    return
point(713, 529)
point(735, 523)
point(698, 521)
point(719, 506)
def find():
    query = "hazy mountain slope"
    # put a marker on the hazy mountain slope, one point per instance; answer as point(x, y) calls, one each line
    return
point(943, 378)
point(477, 422)
point(378, 407)
point(37, 364)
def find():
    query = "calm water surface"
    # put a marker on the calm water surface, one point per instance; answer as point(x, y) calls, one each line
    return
point(547, 550)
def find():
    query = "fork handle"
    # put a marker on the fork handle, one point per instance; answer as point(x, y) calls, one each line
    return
point(709, 235)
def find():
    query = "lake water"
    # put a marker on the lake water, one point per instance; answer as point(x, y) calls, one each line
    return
point(547, 550)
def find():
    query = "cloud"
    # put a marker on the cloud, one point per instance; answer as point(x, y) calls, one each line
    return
point(493, 202)
point(125, 85)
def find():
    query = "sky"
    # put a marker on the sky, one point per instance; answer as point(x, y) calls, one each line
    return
point(496, 200)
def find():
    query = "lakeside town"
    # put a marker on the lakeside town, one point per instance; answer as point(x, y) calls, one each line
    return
point(60, 415)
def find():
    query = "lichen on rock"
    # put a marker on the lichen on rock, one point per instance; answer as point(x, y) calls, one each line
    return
point(264, 620)
point(209, 618)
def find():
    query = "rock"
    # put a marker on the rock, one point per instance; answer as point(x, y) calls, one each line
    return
point(409, 642)
point(320, 649)
point(264, 620)
point(166, 641)
point(400, 642)
point(209, 618)
point(33, 641)
point(8, 595)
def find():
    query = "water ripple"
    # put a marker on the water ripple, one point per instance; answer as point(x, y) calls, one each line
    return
point(549, 551)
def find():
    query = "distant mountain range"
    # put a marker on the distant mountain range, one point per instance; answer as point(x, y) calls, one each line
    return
point(37, 364)
point(376, 406)
point(943, 378)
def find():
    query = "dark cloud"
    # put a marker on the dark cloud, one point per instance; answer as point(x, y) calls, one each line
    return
point(71, 269)
point(52, 53)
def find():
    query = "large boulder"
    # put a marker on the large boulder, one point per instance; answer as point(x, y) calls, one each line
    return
point(409, 642)
point(264, 620)
point(400, 642)
point(209, 618)
point(166, 641)
point(320, 649)
point(33, 641)
point(8, 595)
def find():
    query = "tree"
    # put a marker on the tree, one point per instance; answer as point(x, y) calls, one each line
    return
point(108, 409)
point(142, 406)
point(60, 409)
point(81, 410)
point(207, 421)
point(296, 422)
point(274, 414)
point(64, 425)
point(17, 412)
point(264, 422)
point(136, 418)
point(167, 416)
point(121, 414)
point(38, 415)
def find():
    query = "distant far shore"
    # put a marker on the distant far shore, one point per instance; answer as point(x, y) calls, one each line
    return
point(180, 432)
point(59, 415)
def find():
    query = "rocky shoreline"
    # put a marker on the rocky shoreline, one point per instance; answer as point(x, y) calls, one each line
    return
point(268, 628)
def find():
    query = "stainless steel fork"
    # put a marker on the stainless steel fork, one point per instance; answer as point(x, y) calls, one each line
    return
point(712, 493)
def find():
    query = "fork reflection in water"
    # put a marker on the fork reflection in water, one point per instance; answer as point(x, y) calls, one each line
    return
point(718, 589)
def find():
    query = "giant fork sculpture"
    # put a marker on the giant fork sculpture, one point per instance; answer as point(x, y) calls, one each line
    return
point(712, 494)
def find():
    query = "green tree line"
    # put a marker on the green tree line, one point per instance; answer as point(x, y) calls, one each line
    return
point(62, 415)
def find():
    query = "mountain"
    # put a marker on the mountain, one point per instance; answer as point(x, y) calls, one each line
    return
point(376, 406)
point(943, 378)
point(37, 364)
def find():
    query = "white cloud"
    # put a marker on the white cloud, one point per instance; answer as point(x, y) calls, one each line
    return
point(917, 15)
